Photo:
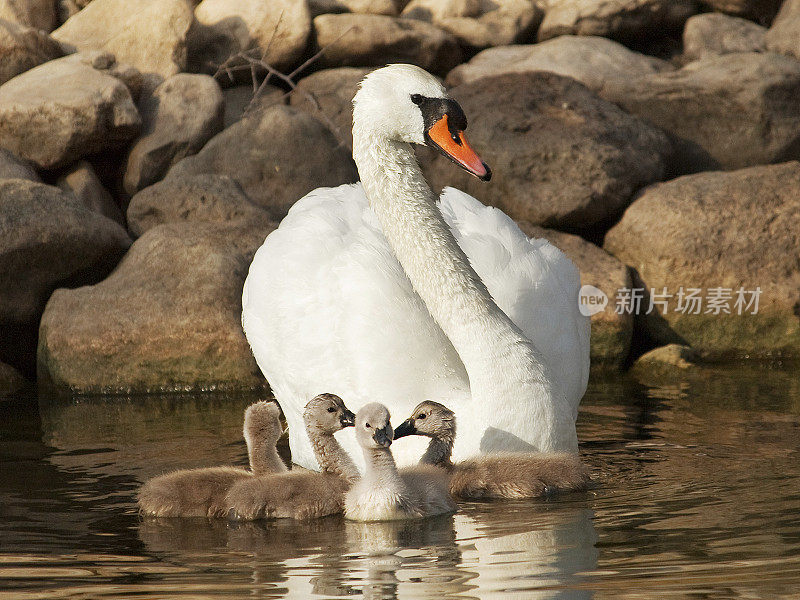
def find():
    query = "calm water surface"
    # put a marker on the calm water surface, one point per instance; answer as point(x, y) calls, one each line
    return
point(697, 496)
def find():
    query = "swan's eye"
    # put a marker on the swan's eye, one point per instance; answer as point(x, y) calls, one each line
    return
point(367, 425)
point(455, 137)
point(416, 99)
point(422, 416)
point(332, 409)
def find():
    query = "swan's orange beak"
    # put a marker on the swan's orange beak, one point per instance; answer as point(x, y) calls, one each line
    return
point(453, 144)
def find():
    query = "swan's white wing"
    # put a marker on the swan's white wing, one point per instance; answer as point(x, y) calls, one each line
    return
point(534, 283)
point(327, 308)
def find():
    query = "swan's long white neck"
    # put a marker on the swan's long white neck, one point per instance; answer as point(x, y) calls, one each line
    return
point(509, 382)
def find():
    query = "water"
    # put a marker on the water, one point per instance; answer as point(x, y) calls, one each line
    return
point(697, 496)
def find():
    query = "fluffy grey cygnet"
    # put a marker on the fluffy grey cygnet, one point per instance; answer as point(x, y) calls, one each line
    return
point(307, 494)
point(500, 475)
point(385, 493)
point(201, 492)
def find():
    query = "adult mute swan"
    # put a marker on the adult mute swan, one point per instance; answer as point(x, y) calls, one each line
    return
point(375, 291)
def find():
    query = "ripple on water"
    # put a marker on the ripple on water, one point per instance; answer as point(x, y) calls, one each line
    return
point(697, 495)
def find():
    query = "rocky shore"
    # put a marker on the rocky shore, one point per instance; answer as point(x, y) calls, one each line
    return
point(656, 142)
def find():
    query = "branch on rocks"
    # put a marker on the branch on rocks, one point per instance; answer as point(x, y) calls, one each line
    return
point(247, 61)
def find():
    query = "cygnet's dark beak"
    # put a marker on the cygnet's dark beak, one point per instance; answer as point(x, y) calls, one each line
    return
point(347, 419)
point(405, 428)
point(383, 437)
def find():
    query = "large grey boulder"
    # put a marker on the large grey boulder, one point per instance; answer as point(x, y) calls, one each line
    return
point(277, 155)
point(169, 316)
point(328, 96)
point(480, 24)
point(22, 48)
point(561, 157)
point(713, 34)
point(374, 40)
point(195, 199)
point(39, 14)
point(611, 331)
point(148, 34)
point(735, 108)
point(598, 63)
point(719, 233)
point(178, 118)
point(48, 239)
point(13, 167)
point(81, 180)
point(784, 35)
point(65, 109)
point(621, 19)
point(276, 31)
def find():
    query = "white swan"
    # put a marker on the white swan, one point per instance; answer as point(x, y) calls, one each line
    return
point(380, 293)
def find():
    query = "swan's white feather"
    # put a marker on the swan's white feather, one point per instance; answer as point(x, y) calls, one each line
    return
point(328, 308)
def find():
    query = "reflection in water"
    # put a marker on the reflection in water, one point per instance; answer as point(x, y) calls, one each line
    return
point(697, 495)
point(511, 550)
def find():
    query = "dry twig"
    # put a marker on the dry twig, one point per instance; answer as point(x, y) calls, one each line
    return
point(246, 61)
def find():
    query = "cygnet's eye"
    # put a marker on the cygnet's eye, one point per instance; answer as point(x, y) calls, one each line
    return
point(421, 416)
point(331, 409)
point(416, 99)
point(367, 425)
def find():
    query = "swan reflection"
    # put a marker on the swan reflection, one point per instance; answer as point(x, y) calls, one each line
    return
point(541, 548)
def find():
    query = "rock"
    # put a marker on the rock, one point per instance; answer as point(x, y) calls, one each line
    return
point(168, 317)
point(761, 11)
point(673, 355)
point(77, 109)
point(276, 31)
point(784, 35)
point(480, 24)
point(66, 9)
point(180, 116)
point(619, 19)
point(370, 7)
point(238, 99)
point(611, 331)
point(277, 155)
point(719, 233)
point(11, 380)
point(39, 14)
point(22, 48)
point(735, 107)
point(135, 81)
point(196, 199)
point(81, 181)
point(596, 62)
point(713, 34)
point(334, 90)
point(47, 240)
point(151, 35)
point(663, 364)
point(12, 167)
point(561, 156)
point(374, 40)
